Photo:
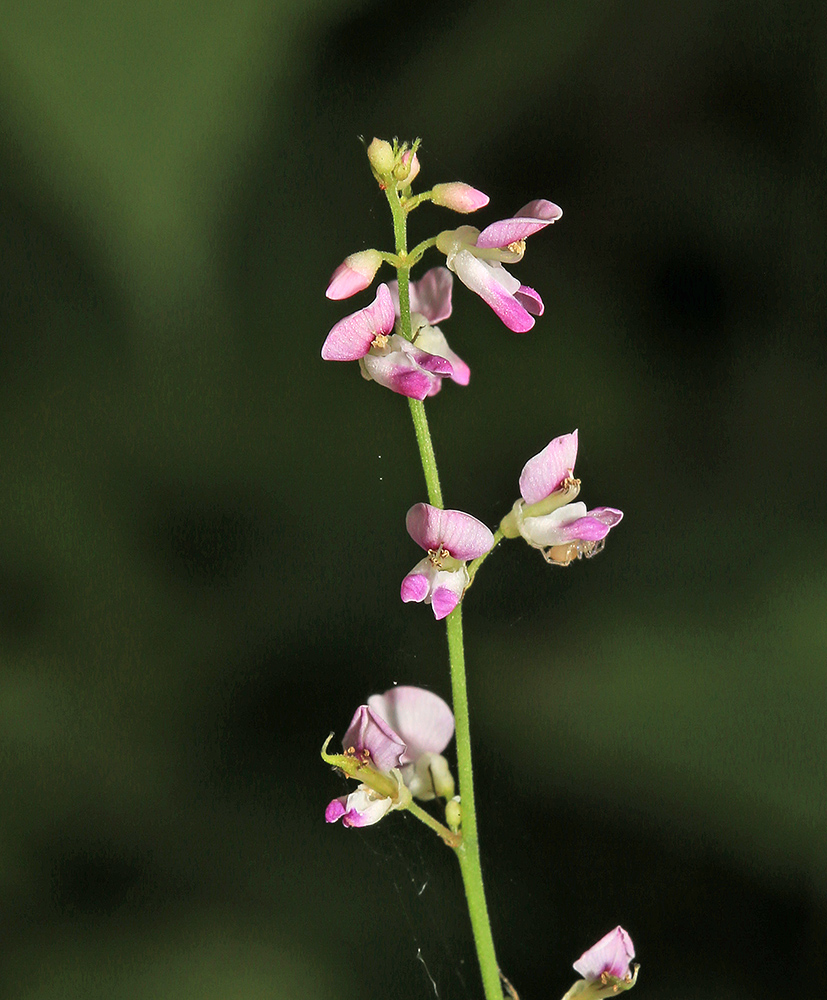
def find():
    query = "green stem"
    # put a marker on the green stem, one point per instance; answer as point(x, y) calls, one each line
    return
point(468, 853)
point(426, 452)
point(451, 839)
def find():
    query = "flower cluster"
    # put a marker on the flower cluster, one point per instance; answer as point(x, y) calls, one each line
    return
point(413, 362)
point(393, 746)
point(547, 518)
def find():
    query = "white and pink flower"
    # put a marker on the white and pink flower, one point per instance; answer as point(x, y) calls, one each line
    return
point(396, 742)
point(477, 259)
point(547, 518)
point(451, 538)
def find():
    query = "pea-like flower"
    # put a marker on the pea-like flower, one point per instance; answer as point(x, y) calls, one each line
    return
point(547, 518)
point(450, 537)
point(477, 259)
point(605, 968)
point(394, 745)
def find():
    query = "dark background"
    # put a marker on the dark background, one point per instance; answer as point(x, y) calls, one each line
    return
point(202, 535)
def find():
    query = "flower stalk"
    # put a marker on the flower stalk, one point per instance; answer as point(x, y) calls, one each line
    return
point(467, 849)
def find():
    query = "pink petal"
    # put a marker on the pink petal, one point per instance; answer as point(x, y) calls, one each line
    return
point(545, 472)
point(530, 300)
point(422, 718)
point(351, 338)
point(399, 372)
point(369, 731)
point(461, 534)
point(611, 954)
point(479, 277)
point(432, 339)
point(415, 587)
point(431, 295)
point(521, 226)
point(540, 209)
point(459, 197)
point(335, 809)
point(443, 602)
point(355, 274)
point(591, 528)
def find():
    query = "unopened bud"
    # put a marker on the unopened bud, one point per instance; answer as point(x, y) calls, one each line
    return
point(407, 168)
point(380, 154)
point(453, 814)
point(459, 197)
point(355, 274)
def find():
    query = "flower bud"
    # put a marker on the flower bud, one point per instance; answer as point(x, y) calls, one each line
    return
point(380, 154)
point(453, 814)
point(459, 197)
point(407, 168)
point(354, 274)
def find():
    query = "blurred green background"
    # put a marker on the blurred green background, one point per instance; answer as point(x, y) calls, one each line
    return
point(203, 524)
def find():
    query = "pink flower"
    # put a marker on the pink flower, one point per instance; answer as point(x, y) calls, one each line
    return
point(354, 274)
point(605, 967)
point(547, 518)
point(430, 300)
point(408, 751)
point(450, 538)
point(477, 259)
point(385, 357)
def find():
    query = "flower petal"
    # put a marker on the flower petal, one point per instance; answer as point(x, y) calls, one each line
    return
point(422, 719)
point(417, 584)
point(369, 731)
point(432, 340)
point(351, 338)
point(431, 295)
point(363, 807)
point(611, 955)
point(530, 300)
point(546, 472)
point(461, 534)
point(521, 226)
point(443, 601)
point(483, 279)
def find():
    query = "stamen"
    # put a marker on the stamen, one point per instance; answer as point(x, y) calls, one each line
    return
point(518, 246)
point(437, 556)
point(380, 341)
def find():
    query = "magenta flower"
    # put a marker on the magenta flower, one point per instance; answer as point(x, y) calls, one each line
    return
point(430, 300)
point(450, 538)
point(367, 336)
point(390, 762)
point(605, 966)
point(477, 259)
point(546, 517)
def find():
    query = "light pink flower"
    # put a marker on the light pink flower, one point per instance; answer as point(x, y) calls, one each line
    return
point(477, 259)
point(610, 956)
point(354, 274)
point(373, 739)
point(459, 197)
point(450, 537)
point(385, 357)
